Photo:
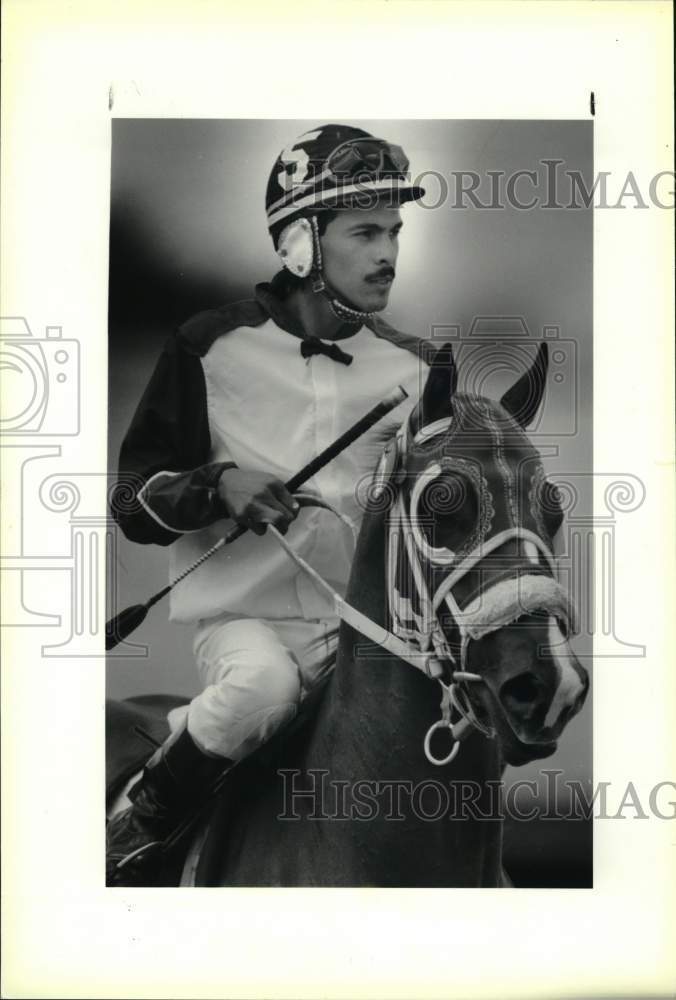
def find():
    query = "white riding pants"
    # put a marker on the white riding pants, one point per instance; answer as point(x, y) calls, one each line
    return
point(255, 674)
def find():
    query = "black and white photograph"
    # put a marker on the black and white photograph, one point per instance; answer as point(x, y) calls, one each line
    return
point(337, 553)
point(438, 276)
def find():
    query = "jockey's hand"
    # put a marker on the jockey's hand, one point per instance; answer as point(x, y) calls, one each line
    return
point(256, 499)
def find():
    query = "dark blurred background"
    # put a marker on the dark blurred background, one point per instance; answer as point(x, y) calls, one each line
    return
point(188, 232)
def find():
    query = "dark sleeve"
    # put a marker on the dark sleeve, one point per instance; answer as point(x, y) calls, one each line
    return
point(166, 485)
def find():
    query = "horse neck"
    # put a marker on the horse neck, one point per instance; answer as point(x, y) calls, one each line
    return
point(373, 695)
point(371, 729)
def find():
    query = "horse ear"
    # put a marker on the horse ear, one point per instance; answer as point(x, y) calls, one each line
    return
point(522, 401)
point(440, 386)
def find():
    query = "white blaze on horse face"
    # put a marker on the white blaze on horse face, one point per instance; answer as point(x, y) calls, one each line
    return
point(531, 552)
point(570, 685)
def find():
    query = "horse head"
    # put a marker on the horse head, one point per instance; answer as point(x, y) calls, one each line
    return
point(471, 564)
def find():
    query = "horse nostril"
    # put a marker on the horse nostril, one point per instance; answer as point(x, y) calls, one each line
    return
point(521, 690)
point(524, 699)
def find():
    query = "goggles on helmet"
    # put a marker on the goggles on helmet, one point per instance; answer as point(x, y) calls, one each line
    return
point(313, 174)
point(366, 156)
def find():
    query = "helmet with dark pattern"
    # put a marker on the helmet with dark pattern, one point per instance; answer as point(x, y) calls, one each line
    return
point(335, 166)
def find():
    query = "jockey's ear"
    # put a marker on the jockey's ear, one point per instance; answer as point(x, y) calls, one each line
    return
point(523, 399)
point(441, 384)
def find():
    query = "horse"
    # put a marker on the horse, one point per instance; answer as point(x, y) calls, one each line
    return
point(453, 573)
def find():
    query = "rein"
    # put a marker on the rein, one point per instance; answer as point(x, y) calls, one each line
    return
point(426, 647)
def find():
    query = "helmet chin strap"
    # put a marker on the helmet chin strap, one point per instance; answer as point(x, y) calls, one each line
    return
point(319, 285)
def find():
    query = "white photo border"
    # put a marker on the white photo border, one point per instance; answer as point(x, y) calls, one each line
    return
point(64, 65)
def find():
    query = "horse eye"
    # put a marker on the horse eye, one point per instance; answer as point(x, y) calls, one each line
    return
point(446, 495)
point(448, 510)
point(549, 497)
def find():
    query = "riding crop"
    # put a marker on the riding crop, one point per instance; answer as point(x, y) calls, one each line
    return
point(127, 621)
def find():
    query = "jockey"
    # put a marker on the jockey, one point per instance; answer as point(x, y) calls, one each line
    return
point(241, 397)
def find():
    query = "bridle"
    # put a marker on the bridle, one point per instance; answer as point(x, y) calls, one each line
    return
point(427, 631)
point(426, 646)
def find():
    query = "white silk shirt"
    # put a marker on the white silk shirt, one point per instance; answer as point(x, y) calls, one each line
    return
point(271, 409)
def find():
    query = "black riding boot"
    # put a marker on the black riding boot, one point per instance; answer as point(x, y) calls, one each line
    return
point(171, 786)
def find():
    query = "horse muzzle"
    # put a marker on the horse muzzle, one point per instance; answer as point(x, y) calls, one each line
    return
point(527, 718)
point(533, 682)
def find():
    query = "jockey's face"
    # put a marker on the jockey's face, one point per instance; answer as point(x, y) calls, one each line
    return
point(359, 250)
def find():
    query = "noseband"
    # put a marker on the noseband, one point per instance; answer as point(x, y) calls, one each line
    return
point(418, 638)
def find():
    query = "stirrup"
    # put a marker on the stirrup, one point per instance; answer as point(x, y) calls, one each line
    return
point(138, 854)
point(134, 870)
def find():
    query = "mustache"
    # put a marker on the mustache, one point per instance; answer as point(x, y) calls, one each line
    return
point(385, 272)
